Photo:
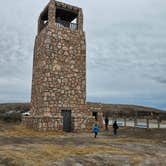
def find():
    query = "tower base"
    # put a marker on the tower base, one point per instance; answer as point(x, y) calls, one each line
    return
point(55, 123)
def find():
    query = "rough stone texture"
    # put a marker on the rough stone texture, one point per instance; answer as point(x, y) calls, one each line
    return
point(95, 107)
point(59, 73)
point(43, 123)
point(98, 108)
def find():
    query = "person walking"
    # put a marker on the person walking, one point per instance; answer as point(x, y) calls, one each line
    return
point(95, 130)
point(115, 127)
point(106, 123)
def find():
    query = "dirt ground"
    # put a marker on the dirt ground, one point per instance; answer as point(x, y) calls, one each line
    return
point(131, 147)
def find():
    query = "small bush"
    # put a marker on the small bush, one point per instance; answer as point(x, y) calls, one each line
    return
point(13, 117)
point(1, 116)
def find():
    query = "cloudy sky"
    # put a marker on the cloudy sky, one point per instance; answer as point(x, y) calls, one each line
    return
point(126, 50)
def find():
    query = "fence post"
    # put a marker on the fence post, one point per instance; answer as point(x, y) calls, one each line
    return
point(124, 121)
point(135, 119)
point(158, 122)
point(135, 122)
point(147, 123)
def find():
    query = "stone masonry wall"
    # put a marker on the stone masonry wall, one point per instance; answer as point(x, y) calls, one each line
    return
point(59, 74)
point(41, 123)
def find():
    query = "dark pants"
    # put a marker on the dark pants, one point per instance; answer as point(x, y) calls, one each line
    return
point(96, 134)
point(115, 131)
point(106, 126)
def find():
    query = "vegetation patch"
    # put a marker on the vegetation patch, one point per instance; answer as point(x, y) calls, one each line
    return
point(125, 140)
point(22, 131)
point(42, 154)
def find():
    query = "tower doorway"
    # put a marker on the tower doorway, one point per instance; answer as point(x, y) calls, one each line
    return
point(66, 120)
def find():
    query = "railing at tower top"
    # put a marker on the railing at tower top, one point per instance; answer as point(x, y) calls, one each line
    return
point(62, 23)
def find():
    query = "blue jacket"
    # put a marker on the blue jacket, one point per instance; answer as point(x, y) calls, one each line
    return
point(95, 129)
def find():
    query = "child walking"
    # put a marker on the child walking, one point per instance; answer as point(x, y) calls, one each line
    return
point(95, 130)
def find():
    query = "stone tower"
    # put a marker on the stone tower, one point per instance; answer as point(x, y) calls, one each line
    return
point(58, 100)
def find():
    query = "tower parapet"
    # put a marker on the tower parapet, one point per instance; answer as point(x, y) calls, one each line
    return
point(61, 15)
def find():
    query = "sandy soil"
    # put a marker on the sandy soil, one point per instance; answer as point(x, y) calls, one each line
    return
point(23, 147)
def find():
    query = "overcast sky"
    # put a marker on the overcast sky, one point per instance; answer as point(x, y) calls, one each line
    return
point(126, 50)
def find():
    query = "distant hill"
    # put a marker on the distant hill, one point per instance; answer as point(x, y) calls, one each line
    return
point(107, 107)
point(125, 107)
point(14, 106)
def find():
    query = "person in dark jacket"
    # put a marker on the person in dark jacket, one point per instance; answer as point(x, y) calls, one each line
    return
point(106, 123)
point(95, 130)
point(115, 127)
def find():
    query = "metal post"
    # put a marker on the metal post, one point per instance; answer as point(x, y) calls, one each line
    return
point(158, 123)
point(135, 119)
point(125, 122)
point(147, 123)
point(135, 122)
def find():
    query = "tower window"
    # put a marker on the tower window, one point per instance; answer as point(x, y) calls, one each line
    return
point(43, 19)
point(66, 18)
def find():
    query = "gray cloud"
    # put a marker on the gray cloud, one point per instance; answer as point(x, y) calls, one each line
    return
point(159, 79)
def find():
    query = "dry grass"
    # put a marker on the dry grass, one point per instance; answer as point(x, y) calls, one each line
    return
point(125, 140)
point(42, 154)
point(22, 131)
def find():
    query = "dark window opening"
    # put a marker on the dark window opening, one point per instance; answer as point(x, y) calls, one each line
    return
point(95, 114)
point(43, 19)
point(66, 18)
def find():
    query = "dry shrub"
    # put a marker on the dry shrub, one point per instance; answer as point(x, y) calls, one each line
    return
point(13, 117)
